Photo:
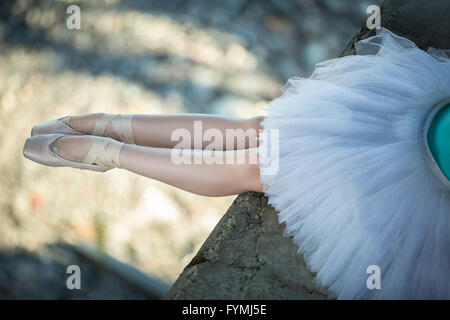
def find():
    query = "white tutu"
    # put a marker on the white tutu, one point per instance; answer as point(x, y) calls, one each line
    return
point(355, 186)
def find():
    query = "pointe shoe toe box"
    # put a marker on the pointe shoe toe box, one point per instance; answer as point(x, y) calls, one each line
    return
point(53, 126)
point(36, 149)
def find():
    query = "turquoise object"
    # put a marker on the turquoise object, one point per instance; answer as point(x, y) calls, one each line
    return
point(438, 137)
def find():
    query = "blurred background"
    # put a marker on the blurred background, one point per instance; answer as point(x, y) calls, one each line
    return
point(157, 56)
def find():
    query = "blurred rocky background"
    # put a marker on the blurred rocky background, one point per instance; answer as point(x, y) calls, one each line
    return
point(156, 56)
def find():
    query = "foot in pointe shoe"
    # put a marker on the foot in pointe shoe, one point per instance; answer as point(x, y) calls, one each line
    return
point(120, 124)
point(82, 152)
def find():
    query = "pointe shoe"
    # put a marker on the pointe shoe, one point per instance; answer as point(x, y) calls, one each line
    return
point(122, 124)
point(54, 126)
point(102, 156)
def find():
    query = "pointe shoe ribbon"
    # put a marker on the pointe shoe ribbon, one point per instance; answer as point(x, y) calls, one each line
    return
point(122, 124)
point(105, 152)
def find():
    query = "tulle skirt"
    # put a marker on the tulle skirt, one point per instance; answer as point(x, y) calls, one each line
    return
point(349, 173)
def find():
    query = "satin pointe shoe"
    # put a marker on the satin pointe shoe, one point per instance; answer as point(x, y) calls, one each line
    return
point(121, 124)
point(102, 156)
point(54, 126)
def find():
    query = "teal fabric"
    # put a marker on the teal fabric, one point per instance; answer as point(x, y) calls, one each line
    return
point(439, 139)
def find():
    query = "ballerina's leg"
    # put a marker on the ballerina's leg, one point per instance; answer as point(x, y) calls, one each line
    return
point(157, 130)
point(197, 176)
point(204, 172)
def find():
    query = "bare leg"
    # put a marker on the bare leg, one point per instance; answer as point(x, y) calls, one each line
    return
point(204, 179)
point(156, 130)
point(157, 163)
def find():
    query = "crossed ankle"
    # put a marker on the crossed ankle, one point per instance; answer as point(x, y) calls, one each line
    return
point(89, 149)
point(115, 126)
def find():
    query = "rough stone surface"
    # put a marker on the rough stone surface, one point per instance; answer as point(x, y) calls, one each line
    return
point(247, 256)
point(426, 23)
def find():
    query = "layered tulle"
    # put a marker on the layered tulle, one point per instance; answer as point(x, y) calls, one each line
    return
point(354, 185)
